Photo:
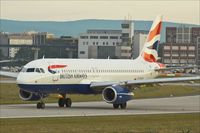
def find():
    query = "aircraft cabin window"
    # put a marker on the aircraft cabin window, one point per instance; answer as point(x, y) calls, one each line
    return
point(30, 70)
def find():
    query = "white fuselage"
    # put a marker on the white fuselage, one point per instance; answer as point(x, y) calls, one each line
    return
point(85, 71)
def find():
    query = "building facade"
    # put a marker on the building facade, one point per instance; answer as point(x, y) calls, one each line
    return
point(179, 54)
point(139, 41)
point(182, 46)
point(4, 40)
point(195, 39)
point(127, 33)
point(107, 43)
point(71, 44)
point(18, 39)
point(94, 42)
point(39, 38)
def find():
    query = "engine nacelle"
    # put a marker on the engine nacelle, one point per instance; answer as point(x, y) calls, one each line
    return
point(28, 96)
point(117, 94)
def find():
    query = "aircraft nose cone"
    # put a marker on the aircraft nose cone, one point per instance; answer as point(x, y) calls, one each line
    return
point(21, 79)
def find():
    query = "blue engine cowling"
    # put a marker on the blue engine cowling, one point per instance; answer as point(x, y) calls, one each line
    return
point(116, 94)
point(28, 96)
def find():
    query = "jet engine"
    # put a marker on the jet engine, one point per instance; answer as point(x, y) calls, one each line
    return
point(28, 96)
point(116, 94)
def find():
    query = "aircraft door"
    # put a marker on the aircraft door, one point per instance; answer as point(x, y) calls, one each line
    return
point(55, 77)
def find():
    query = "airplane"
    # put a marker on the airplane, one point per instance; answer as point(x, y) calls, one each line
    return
point(113, 78)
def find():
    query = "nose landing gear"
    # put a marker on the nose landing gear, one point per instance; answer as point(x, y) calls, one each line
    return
point(41, 104)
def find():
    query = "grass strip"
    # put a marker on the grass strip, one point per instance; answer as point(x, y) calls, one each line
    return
point(167, 123)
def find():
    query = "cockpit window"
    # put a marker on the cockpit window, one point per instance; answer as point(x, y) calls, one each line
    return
point(37, 70)
point(41, 70)
point(51, 71)
point(30, 70)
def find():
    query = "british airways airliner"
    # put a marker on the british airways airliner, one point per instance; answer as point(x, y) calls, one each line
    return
point(113, 78)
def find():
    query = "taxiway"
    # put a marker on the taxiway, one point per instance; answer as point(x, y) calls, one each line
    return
point(188, 104)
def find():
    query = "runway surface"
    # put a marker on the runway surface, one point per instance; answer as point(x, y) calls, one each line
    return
point(188, 104)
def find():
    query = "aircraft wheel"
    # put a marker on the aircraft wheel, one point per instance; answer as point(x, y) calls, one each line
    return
point(61, 102)
point(115, 106)
point(68, 102)
point(123, 105)
point(40, 105)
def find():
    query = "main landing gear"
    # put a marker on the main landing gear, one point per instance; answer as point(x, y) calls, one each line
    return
point(122, 106)
point(63, 101)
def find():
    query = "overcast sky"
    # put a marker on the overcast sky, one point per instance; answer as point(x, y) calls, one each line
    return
point(184, 11)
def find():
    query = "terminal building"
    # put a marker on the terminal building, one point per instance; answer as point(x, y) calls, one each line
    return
point(40, 38)
point(182, 46)
point(139, 41)
point(18, 39)
point(37, 41)
point(70, 43)
point(4, 40)
point(107, 43)
point(25, 38)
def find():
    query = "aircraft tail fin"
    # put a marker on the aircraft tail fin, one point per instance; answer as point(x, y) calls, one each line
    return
point(150, 49)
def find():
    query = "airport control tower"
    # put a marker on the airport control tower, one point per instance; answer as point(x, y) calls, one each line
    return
point(127, 38)
point(127, 32)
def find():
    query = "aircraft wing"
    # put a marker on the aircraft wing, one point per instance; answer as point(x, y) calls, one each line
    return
point(144, 81)
point(5, 61)
point(9, 74)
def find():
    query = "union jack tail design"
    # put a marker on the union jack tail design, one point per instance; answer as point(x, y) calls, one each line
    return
point(150, 50)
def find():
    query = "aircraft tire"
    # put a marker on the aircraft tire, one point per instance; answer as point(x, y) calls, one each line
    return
point(40, 105)
point(123, 106)
point(61, 102)
point(68, 102)
point(115, 106)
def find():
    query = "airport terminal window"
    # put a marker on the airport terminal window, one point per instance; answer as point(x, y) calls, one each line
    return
point(30, 70)
point(84, 37)
point(82, 52)
point(93, 37)
point(103, 37)
point(113, 37)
